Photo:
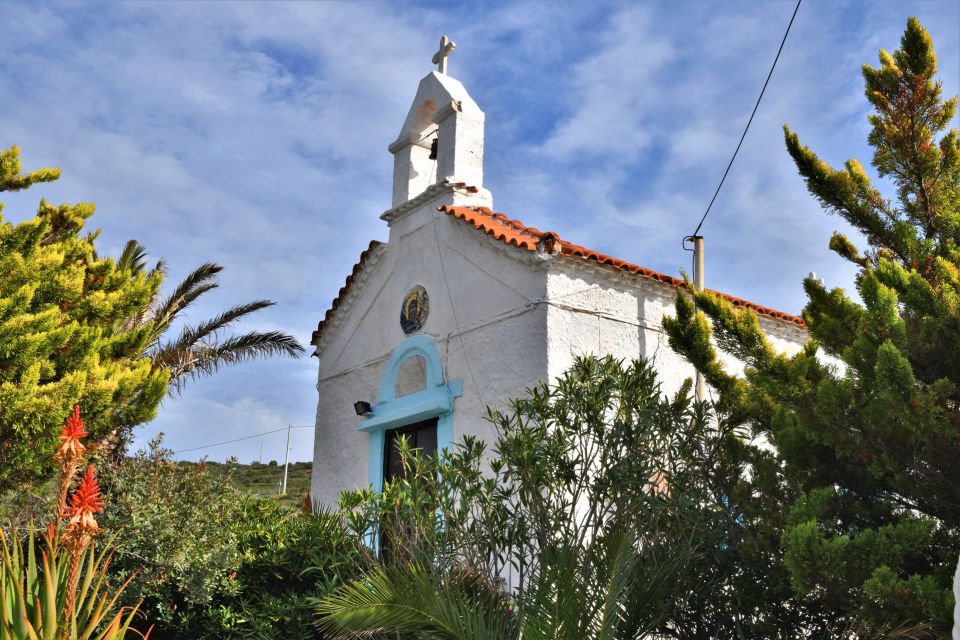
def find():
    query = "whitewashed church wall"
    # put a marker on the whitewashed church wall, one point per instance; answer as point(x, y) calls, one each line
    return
point(522, 317)
point(506, 358)
point(497, 321)
point(340, 452)
point(485, 281)
point(598, 310)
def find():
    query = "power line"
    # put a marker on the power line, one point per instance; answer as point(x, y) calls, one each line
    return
point(747, 128)
point(256, 435)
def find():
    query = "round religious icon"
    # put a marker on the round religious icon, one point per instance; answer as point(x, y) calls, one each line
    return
point(415, 309)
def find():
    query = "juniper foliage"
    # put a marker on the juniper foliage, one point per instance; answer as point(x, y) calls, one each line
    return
point(64, 337)
point(865, 418)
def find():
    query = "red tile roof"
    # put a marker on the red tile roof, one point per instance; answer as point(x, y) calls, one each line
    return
point(515, 233)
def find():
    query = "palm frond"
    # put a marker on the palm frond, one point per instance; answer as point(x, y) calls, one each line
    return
point(148, 313)
point(199, 281)
point(160, 267)
point(552, 598)
point(611, 588)
point(133, 258)
point(620, 575)
point(416, 598)
point(658, 566)
point(192, 335)
point(202, 359)
point(872, 631)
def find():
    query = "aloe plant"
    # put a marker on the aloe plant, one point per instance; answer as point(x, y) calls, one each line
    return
point(53, 586)
point(35, 588)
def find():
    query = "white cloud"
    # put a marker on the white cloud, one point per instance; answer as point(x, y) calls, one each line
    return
point(612, 90)
point(214, 424)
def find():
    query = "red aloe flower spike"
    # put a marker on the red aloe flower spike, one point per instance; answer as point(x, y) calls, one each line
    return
point(74, 430)
point(84, 502)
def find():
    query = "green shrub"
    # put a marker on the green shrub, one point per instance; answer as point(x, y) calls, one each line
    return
point(602, 502)
point(63, 313)
point(175, 535)
point(290, 560)
point(212, 562)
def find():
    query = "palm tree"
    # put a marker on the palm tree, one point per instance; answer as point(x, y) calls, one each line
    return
point(417, 599)
point(198, 350)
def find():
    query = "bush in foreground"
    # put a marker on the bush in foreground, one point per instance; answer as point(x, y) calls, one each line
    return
point(604, 511)
point(211, 562)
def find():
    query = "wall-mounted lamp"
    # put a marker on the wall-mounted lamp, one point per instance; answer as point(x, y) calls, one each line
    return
point(362, 407)
point(434, 148)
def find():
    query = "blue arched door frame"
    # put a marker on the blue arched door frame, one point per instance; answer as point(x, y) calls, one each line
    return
point(435, 400)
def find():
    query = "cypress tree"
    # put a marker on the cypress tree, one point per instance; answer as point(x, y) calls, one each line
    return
point(865, 419)
point(66, 335)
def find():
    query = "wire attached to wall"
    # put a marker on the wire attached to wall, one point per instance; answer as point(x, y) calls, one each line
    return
point(453, 309)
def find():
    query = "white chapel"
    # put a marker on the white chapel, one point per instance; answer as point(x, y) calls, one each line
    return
point(463, 308)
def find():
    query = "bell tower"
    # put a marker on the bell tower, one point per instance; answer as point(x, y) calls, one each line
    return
point(442, 136)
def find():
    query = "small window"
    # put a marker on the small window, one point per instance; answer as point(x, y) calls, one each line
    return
point(411, 376)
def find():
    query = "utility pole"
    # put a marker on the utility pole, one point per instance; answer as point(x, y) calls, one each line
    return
point(698, 282)
point(286, 462)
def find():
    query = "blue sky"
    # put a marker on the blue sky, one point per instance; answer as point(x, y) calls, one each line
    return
point(255, 134)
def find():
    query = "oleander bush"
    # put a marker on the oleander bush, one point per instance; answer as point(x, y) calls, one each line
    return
point(603, 510)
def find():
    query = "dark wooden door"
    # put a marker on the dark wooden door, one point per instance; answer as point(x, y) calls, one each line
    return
point(420, 435)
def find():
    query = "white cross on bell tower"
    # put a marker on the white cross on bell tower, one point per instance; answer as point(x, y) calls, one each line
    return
point(441, 140)
point(440, 57)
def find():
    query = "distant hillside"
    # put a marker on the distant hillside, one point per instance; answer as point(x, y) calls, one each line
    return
point(263, 479)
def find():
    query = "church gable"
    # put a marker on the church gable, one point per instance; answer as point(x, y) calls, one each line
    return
point(503, 231)
point(467, 280)
point(362, 268)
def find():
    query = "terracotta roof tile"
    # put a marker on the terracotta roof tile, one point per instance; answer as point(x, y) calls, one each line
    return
point(516, 233)
point(497, 225)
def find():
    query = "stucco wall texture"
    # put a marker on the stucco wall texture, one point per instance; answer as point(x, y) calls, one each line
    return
point(488, 333)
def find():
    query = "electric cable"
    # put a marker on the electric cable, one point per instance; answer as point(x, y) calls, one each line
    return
point(747, 128)
point(256, 435)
